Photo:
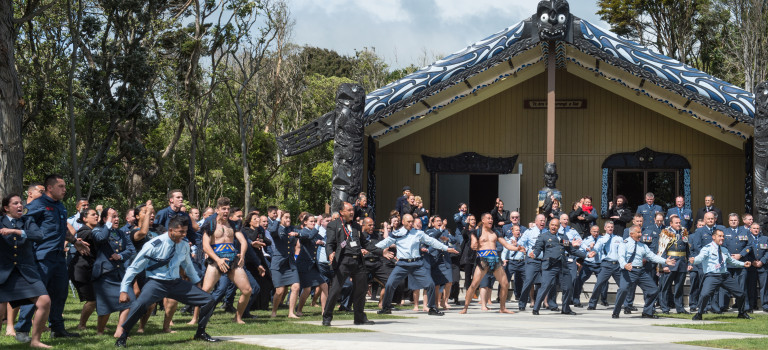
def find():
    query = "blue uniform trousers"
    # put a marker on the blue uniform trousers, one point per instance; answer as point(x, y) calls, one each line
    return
point(415, 270)
point(665, 282)
point(713, 281)
point(532, 273)
point(740, 275)
point(629, 281)
point(178, 289)
point(574, 270)
point(516, 272)
point(587, 270)
point(695, 278)
point(53, 273)
point(548, 283)
point(608, 269)
point(756, 288)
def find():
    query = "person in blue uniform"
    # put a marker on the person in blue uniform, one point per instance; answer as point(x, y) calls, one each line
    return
point(488, 261)
point(714, 259)
point(409, 263)
point(254, 231)
point(20, 282)
point(757, 274)
point(144, 231)
point(637, 220)
point(460, 218)
point(685, 215)
point(673, 242)
point(649, 209)
point(81, 267)
point(161, 258)
point(113, 249)
point(554, 248)
point(283, 267)
point(309, 273)
point(514, 261)
point(607, 246)
point(575, 240)
point(440, 262)
point(532, 265)
point(632, 253)
point(589, 266)
point(697, 242)
point(51, 216)
point(737, 242)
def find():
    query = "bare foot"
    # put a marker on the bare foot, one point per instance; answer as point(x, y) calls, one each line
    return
point(38, 344)
point(81, 327)
point(168, 330)
point(299, 313)
point(99, 333)
point(424, 308)
point(415, 308)
point(313, 304)
point(484, 308)
point(171, 324)
point(239, 321)
point(192, 323)
point(273, 315)
point(463, 311)
point(505, 311)
point(10, 332)
point(446, 306)
point(140, 330)
point(293, 316)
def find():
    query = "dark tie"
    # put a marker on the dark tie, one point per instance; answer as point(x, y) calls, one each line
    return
point(632, 257)
point(13, 223)
point(719, 255)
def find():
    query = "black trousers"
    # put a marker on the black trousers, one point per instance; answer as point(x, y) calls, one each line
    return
point(181, 290)
point(348, 267)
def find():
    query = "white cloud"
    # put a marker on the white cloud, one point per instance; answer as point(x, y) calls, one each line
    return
point(459, 10)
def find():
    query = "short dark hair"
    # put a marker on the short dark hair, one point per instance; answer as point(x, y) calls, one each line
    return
point(51, 180)
point(178, 221)
point(33, 185)
point(170, 193)
point(7, 201)
point(84, 213)
point(271, 208)
point(222, 202)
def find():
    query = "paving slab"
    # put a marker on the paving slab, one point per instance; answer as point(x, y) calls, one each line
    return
point(590, 329)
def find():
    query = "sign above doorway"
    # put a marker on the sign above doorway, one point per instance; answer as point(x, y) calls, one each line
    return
point(559, 104)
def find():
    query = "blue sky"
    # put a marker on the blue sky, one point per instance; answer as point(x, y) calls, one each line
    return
point(403, 32)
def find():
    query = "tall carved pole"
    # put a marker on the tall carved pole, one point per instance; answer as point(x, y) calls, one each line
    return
point(348, 149)
point(760, 149)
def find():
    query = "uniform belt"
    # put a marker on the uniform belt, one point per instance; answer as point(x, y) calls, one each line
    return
point(411, 260)
point(372, 259)
point(352, 256)
point(611, 262)
point(521, 259)
point(676, 254)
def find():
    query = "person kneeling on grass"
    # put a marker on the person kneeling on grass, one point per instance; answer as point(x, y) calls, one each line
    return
point(162, 257)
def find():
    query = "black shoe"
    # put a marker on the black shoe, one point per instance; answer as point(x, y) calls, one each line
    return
point(694, 309)
point(120, 343)
point(435, 312)
point(554, 309)
point(205, 337)
point(632, 308)
point(744, 316)
point(665, 312)
point(765, 310)
point(521, 308)
point(605, 303)
point(248, 316)
point(187, 310)
point(64, 334)
point(749, 311)
point(327, 323)
point(384, 312)
point(535, 312)
point(614, 315)
point(644, 315)
point(591, 308)
point(684, 312)
point(364, 323)
point(230, 309)
point(627, 311)
point(567, 312)
point(578, 305)
point(697, 317)
point(344, 309)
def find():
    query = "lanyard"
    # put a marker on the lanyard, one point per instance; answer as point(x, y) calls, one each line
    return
point(344, 227)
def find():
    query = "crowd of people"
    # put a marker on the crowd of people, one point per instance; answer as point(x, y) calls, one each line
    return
point(203, 257)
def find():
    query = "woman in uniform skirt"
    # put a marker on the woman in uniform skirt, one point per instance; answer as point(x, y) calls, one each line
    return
point(440, 264)
point(114, 250)
point(81, 266)
point(19, 277)
point(283, 267)
point(309, 273)
point(253, 230)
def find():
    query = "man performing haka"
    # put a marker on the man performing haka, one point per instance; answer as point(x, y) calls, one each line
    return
point(223, 257)
point(488, 260)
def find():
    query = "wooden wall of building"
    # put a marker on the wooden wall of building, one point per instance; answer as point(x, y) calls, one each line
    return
point(500, 126)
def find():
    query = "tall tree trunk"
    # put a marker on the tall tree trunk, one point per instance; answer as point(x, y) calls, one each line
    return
point(246, 171)
point(74, 25)
point(191, 185)
point(11, 108)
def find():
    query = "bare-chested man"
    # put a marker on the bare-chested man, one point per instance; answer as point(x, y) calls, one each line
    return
point(223, 258)
point(488, 260)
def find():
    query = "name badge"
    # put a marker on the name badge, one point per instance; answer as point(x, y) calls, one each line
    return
point(353, 244)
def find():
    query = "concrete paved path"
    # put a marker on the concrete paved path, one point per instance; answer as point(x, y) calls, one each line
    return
point(490, 330)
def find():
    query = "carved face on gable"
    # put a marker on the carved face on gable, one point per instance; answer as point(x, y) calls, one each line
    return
point(553, 19)
point(352, 96)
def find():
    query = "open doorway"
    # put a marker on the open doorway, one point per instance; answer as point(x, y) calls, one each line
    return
point(478, 191)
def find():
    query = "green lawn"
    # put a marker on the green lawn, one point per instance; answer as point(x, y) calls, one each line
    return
point(729, 323)
point(220, 325)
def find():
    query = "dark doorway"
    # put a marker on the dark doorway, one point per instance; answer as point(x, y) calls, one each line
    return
point(483, 191)
point(635, 183)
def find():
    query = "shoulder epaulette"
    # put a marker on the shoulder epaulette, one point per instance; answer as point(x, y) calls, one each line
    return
point(156, 242)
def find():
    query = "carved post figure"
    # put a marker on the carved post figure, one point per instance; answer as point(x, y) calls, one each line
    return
point(760, 150)
point(345, 125)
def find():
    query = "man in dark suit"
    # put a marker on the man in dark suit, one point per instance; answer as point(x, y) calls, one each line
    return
point(402, 206)
point(344, 246)
point(554, 246)
point(709, 206)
